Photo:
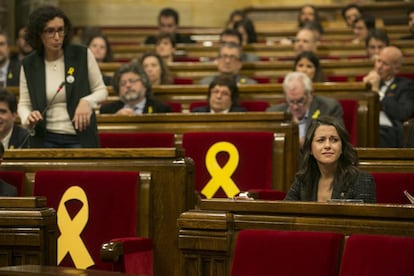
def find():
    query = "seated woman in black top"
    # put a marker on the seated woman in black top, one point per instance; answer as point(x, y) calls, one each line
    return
point(223, 96)
point(329, 169)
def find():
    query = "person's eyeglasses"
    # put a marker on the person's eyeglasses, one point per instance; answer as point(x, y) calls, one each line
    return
point(229, 57)
point(125, 82)
point(300, 102)
point(51, 32)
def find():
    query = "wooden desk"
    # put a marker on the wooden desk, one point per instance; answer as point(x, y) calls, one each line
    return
point(286, 154)
point(28, 231)
point(206, 237)
point(171, 189)
point(38, 270)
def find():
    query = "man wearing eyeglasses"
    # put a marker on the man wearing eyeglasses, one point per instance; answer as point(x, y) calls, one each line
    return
point(168, 20)
point(229, 63)
point(303, 105)
point(134, 89)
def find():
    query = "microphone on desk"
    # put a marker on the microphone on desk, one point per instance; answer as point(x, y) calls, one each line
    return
point(31, 130)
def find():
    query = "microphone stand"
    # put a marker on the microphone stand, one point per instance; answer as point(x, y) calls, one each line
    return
point(31, 130)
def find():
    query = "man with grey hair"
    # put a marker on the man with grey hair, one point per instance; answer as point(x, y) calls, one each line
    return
point(229, 62)
point(304, 106)
point(396, 95)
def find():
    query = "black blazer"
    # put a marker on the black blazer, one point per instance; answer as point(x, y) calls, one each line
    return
point(363, 188)
point(19, 138)
point(151, 106)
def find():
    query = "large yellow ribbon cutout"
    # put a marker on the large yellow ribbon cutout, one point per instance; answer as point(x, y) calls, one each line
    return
point(221, 176)
point(70, 240)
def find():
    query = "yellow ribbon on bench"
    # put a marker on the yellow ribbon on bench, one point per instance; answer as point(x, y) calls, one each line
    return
point(221, 176)
point(70, 229)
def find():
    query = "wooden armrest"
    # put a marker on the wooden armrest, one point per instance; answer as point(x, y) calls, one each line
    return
point(111, 251)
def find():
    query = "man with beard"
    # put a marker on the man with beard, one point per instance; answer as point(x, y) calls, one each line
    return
point(9, 71)
point(134, 89)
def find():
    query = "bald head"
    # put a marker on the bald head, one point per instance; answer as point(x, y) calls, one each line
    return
point(389, 62)
point(395, 55)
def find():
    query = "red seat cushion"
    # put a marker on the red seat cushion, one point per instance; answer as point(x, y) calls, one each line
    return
point(136, 139)
point(367, 255)
point(110, 206)
point(350, 118)
point(255, 151)
point(273, 252)
point(390, 187)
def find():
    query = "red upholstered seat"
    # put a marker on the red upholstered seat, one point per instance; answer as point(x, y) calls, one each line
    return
point(390, 187)
point(15, 178)
point(136, 139)
point(255, 105)
point(255, 159)
point(295, 253)
point(337, 78)
point(175, 106)
point(94, 207)
point(350, 117)
point(367, 255)
point(177, 80)
point(261, 79)
point(249, 105)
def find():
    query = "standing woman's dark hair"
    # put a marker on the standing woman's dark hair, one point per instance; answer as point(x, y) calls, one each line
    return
point(313, 58)
point(249, 29)
point(346, 171)
point(37, 23)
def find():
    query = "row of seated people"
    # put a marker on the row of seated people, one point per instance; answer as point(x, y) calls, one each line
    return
point(270, 252)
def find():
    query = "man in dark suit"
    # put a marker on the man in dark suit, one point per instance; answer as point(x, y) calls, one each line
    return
point(134, 90)
point(168, 20)
point(304, 106)
point(9, 70)
point(396, 96)
point(5, 188)
point(11, 135)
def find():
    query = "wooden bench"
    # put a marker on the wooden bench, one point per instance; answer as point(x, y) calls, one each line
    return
point(271, 50)
point(286, 151)
point(28, 231)
point(368, 102)
point(271, 70)
point(208, 234)
point(169, 185)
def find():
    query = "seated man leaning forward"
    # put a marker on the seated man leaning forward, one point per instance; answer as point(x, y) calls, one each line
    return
point(229, 62)
point(223, 96)
point(134, 89)
point(304, 106)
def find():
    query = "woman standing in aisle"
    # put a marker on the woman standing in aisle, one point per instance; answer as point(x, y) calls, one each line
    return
point(60, 85)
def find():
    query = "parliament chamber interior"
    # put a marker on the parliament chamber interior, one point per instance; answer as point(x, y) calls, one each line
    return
point(188, 193)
